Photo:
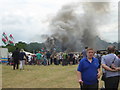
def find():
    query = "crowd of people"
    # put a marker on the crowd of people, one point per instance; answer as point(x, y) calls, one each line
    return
point(89, 64)
point(44, 58)
point(48, 58)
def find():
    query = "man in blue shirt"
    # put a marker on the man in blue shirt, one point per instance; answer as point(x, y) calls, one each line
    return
point(88, 71)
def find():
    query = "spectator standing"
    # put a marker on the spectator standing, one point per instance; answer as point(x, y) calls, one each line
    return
point(15, 56)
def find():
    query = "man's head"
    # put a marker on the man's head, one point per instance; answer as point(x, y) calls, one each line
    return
point(90, 53)
point(111, 49)
point(98, 52)
point(86, 47)
point(17, 48)
point(22, 50)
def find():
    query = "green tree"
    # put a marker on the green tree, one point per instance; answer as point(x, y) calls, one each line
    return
point(10, 48)
point(32, 47)
point(21, 45)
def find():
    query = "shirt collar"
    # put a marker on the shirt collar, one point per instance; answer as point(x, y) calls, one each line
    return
point(88, 61)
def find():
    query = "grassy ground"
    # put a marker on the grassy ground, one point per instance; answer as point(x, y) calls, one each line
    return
point(40, 77)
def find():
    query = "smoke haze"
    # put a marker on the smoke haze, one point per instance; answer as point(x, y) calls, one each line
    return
point(77, 30)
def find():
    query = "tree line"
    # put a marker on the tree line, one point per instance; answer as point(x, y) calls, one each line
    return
point(31, 47)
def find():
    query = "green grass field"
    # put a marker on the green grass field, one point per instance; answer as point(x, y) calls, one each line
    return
point(40, 77)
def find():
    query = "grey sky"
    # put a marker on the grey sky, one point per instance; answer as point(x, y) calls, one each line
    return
point(27, 20)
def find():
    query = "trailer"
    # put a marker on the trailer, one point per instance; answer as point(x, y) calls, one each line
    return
point(3, 55)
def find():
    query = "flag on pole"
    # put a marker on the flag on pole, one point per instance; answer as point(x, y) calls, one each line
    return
point(7, 40)
point(11, 37)
point(11, 40)
point(4, 41)
point(5, 36)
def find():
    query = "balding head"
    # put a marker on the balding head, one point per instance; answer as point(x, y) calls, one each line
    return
point(111, 49)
